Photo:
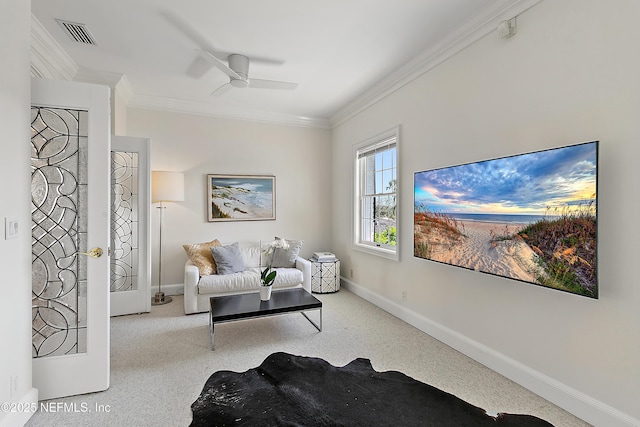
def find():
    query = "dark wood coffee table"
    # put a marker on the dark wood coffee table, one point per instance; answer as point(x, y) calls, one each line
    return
point(249, 306)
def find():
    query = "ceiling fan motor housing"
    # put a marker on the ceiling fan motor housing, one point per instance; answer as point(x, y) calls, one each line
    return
point(237, 68)
point(239, 64)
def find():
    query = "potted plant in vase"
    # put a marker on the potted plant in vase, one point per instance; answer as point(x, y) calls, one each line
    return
point(268, 275)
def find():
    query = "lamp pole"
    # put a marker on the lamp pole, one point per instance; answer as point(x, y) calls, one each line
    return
point(160, 298)
point(167, 187)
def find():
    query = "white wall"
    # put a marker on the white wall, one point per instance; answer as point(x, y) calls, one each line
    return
point(15, 254)
point(299, 158)
point(118, 112)
point(570, 75)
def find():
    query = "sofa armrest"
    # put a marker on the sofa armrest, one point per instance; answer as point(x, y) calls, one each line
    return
point(304, 266)
point(191, 278)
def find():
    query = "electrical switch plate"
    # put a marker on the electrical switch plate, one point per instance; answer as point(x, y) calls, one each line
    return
point(10, 228)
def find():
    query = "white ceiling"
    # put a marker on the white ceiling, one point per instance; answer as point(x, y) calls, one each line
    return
point(334, 49)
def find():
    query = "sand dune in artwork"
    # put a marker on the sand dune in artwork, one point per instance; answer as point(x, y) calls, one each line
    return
point(240, 203)
point(480, 250)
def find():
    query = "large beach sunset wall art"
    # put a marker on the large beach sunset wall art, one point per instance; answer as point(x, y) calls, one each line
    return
point(529, 217)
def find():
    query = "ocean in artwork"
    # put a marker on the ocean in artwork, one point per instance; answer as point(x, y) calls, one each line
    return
point(241, 198)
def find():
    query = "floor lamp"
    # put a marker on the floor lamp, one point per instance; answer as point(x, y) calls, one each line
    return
point(165, 187)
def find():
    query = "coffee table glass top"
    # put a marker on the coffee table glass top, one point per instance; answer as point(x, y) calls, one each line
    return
point(234, 307)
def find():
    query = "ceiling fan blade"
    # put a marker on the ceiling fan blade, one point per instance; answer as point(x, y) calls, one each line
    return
point(266, 60)
point(186, 28)
point(220, 64)
point(271, 84)
point(199, 67)
point(222, 90)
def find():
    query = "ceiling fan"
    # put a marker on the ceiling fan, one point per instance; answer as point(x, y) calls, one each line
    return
point(238, 72)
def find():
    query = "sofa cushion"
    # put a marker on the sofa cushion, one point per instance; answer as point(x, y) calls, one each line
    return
point(228, 259)
point(200, 255)
point(288, 277)
point(236, 282)
point(247, 280)
point(287, 257)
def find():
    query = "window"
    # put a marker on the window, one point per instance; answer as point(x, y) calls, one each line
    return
point(376, 197)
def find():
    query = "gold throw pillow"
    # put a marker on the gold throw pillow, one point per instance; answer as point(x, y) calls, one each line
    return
point(200, 256)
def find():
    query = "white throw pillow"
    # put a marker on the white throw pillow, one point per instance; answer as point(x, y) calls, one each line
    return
point(252, 255)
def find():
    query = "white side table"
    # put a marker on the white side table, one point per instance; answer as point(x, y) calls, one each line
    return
point(325, 276)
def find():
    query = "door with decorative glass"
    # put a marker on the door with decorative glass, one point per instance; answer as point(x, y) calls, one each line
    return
point(130, 226)
point(70, 139)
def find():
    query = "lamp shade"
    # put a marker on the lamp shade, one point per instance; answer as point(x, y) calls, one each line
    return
point(167, 186)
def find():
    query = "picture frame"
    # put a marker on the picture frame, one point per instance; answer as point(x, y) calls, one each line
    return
point(241, 198)
point(529, 217)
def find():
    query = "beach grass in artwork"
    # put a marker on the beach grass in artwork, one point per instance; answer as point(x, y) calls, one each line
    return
point(240, 197)
point(531, 217)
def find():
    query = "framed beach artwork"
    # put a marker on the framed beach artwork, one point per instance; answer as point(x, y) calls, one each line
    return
point(529, 217)
point(241, 197)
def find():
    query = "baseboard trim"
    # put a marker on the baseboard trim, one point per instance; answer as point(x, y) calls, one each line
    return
point(20, 418)
point(581, 405)
point(175, 289)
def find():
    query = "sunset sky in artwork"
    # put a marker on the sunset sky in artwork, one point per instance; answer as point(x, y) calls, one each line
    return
point(521, 184)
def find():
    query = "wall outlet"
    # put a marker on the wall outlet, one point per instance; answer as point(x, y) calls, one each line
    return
point(351, 273)
point(404, 296)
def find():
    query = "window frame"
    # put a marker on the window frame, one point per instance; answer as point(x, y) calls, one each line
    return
point(371, 144)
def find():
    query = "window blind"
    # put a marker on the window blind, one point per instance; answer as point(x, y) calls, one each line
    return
point(377, 147)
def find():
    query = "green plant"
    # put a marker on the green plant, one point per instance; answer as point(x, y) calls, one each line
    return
point(387, 237)
point(268, 275)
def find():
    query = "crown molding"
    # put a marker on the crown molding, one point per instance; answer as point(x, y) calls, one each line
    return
point(48, 58)
point(469, 33)
point(116, 81)
point(124, 88)
point(206, 109)
point(50, 61)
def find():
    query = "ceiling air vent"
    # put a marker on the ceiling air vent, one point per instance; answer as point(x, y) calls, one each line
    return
point(77, 32)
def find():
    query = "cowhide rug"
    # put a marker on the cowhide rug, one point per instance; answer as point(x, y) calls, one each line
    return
point(288, 390)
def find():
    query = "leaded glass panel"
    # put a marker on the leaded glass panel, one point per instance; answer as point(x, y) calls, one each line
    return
point(59, 230)
point(124, 221)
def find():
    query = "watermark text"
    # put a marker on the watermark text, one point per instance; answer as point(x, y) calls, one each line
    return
point(54, 407)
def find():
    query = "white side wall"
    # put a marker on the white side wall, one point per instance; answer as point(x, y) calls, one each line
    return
point(118, 113)
point(570, 75)
point(299, 158)
point(15, 254)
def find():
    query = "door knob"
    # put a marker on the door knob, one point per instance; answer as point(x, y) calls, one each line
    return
point(93, 253)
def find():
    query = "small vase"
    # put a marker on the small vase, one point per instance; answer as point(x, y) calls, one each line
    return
point(265, 293)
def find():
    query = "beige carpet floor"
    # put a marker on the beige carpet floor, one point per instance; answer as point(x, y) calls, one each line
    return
point(161, 360)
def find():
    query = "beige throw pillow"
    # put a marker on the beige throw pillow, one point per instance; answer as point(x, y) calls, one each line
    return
point(200, 256)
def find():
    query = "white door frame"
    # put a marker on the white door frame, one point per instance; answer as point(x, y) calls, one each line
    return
point(138, 301)
point(58, 376)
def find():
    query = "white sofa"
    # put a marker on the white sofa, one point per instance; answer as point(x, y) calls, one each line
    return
point(198, 290)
